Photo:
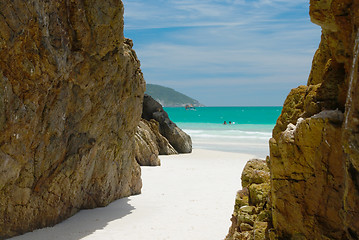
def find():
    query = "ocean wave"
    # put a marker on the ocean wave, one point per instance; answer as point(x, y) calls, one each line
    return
point(218, 136)
point(239, 132)
point(228, 134)
point(191, 131)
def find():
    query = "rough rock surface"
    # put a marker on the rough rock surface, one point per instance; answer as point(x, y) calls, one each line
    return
point(177, 138)
point(70, 101)
point(150, 143)
point(314, 152)
point(251, 217)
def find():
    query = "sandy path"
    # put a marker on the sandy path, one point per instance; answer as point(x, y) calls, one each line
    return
point(190, 197)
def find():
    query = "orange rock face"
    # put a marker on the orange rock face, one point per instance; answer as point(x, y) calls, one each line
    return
point(71, 93)
point(314, 158)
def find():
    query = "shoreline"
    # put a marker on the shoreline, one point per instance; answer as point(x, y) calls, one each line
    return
point(190, 196)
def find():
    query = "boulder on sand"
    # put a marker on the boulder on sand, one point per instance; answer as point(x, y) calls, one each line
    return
point(180, 140)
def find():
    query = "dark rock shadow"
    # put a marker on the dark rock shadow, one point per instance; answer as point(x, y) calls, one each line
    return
point(83, 223)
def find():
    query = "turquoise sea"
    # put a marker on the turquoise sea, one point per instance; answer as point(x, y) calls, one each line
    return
point(249, 131)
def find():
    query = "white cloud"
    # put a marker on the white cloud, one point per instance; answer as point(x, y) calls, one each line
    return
point(186, 44)
point(173, 13)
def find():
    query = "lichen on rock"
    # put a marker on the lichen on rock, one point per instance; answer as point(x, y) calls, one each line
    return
point(251, 218)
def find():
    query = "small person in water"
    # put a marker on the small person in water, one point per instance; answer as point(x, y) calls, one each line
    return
point(225, 123)
point(230, 122)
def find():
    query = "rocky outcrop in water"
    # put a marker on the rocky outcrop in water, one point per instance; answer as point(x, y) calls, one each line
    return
point(180, 141)
point(70, 101)
point(314, 158)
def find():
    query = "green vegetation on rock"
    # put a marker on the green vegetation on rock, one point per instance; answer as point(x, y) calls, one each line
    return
point(169, 97)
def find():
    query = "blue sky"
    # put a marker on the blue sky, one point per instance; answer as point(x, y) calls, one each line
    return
point(224, 52)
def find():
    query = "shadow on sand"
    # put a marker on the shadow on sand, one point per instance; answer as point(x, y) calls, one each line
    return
point(83, 223)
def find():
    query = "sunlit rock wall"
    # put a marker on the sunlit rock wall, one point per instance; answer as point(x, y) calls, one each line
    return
point(314, 158)
point(71, 95)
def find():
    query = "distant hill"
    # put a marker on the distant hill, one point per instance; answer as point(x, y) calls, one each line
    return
point(169, 97)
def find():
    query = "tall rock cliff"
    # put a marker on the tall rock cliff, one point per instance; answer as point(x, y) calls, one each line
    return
point(71, 95)
point(314, 152)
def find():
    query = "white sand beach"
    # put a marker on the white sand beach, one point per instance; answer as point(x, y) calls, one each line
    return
point(190, 197)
